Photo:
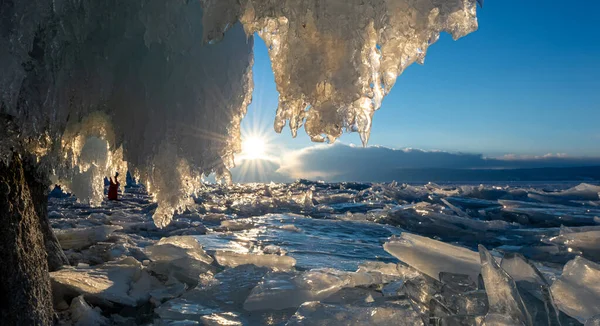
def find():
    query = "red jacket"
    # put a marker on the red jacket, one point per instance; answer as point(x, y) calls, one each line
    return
point(113, 190)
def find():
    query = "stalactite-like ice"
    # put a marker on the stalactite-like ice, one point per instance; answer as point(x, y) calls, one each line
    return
point(335, 60)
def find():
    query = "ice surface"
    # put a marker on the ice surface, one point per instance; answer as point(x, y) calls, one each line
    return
point(432, 257)
point(232, 259)
point(83, 314)
point(342, 264)
point(80, 238)
point(229, 289)
point(577, 291)
point(287, 290)
point(505, 304)
point(391, 313)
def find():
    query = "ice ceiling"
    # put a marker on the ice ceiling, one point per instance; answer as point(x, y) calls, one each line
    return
point(161, 86)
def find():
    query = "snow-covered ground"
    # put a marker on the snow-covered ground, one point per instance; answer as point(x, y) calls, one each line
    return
point(335, 254)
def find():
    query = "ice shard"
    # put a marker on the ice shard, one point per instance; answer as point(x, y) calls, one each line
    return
point(577, 291)
point(533, 288)
point(433, 257)
point(505, 304)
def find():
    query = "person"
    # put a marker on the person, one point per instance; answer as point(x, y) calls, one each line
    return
point(113, 188)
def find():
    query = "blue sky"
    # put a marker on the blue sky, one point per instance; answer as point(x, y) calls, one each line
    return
point(525, 83)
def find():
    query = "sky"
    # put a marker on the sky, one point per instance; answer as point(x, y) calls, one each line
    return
point(525, 85)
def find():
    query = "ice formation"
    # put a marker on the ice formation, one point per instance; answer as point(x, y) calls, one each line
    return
point(139, 77)
point(334, 61)
point(134, 75)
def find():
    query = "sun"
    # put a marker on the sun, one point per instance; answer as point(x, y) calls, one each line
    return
point(254, 147)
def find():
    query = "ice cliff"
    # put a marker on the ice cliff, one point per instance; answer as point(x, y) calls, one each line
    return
point(160, 88)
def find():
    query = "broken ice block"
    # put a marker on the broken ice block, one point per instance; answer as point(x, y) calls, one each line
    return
point(577, 291)
point(181, 257)
point(396, 313)
point(432, 257)
point(505, 303)
point(232, 259)
point(186, 270)
point(80, 238)
point(534, 289)
point(588, 242)
point(390, 272)
point(83, 314)
point(183, 309)
point(393, 289)
point(178, 247)
point(110, 282)
point(287, 290)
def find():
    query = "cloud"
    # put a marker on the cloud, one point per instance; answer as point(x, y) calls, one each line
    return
point(339, 162)
point(262, 170)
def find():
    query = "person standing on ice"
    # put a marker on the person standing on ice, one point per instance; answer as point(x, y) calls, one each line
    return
point(113, 189)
